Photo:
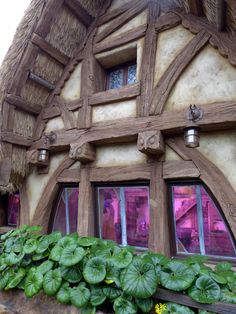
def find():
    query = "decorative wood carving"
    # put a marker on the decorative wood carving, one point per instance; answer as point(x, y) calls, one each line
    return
point(167, 21)
point(170, 77)
point(79, 11)
point(83, 153)
point(22, 104)
point(151, 142)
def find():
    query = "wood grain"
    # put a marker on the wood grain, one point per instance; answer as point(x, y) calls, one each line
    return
point(194, 7)
point(167, 21)
point(22, 104)
point(24, 205)
point(67, 116)
point(83, 153)
point(220, 14)
point(16, 139)
point(69, 176)
point(79, 11)
point(176, 68)
point(180, 169)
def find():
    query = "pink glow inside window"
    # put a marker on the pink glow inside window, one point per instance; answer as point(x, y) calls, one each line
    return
point(199, 227)
point(65, 219)
point(13, 209)
point(124, 215)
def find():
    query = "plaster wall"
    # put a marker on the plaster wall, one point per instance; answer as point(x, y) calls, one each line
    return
point(220, 148)
point(36, 183)
point(114, 111)
point(119, 155)
point(208, 79)
point(170, 154)
point(54, 124)
point(71, 90)
point(169, 45)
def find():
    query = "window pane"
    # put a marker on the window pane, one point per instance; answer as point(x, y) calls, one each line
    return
point(115, 79)
point(73, 198)
point(109, 210)
point(186, 219)
point(137, 216)
point(216, 236)
point(132, 74)
point(13, 209)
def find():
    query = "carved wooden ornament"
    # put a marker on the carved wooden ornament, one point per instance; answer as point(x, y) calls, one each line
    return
point(82, 153)
point(151, 142)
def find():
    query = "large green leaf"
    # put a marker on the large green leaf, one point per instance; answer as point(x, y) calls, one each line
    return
point(177, 276)
point(71, 274)
point(122, 259)
point(145, 305)
point(55, 253)
point(38, 257)
point(205, 290)
point(223, 266)
point(218, 278)
point(33, 283)
point(112, 273)
point(95, 270)
point(16, 279)
point(124, 306)
point(66, 241)
point(80, 295)
point(52, 281)
point(43, 244)
point(71, 255)
point(88, 309)
point(63, 295)
point(17, 247)
point(86, 241)
point(8, 244)
point(228, 296)
point(111, 292)
point(12, 258)
point(30, 246)
point(174, 308)
point(4, 278)
point(139, 279)
point(97, 296)
point(45, 267)
point(54, 237)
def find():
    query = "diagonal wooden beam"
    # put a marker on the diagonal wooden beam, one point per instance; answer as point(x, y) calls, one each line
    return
point(79, 11)
point(167, 21)
point(67, 116)
point(220, 14)
point(195, 7)
point(170, 77)
point(121, 20)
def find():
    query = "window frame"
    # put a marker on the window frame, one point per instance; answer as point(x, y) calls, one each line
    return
point(4, 199)
point(173, 247)
point(97, 186)
point(124, 67)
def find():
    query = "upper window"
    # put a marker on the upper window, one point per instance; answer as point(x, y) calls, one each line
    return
point(198, 225)
point(121, 75)
point(9, 209)
point(124, 214)
point(66, 211)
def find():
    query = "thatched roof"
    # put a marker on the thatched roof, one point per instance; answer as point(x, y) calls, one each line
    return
point(60, 25)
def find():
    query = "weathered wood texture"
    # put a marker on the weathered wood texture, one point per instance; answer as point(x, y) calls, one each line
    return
point(120, 94)
point(24, 205)
point(83, 153)
point(44, 207)
point(32, 156)
point(67, 116)
point(151, 142)
point(5, 170)
point(171, 75)
point(16, 139)
point(220, 14)
point(79, 11)
point(122, 19)
point(120, 40)
point(214, 180)
point(195, 7)
point(167, 21)
point(49, 49)
point(69, 176)
point(158, 231)
point(148, 60)
point(180, 169)
point(86, 213)
point(22, 104)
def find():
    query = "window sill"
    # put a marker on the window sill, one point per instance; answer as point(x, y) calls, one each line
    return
point(4, 229)
point(211, 260)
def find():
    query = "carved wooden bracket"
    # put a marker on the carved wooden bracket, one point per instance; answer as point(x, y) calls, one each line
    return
point(83, 153)
point(151, 142)
point(32, 156)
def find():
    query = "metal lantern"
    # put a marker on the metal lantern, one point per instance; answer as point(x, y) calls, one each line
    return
point(43, 156)
point(191, 137)
point(43, 152)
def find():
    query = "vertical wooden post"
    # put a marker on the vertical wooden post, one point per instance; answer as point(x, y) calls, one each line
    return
point(86, 211)
point(159, 227)
point(24, 205)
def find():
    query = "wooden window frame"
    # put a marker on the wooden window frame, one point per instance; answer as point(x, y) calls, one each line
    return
point(173, 248)
point(4, 226)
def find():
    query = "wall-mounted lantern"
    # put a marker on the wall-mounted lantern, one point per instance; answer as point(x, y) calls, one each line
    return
point(43, 151)
point(191, 133)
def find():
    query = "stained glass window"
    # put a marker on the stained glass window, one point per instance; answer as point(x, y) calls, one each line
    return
point(123, 75)
point(124, 215)
point(116, 79)
point(199, 226)
point(131, 74)
point(13, 209)
point(66, 213)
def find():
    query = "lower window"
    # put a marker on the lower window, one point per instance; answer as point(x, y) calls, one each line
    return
point(124, 214)
point(9, 210)
point(65, 212)
point(199, 228)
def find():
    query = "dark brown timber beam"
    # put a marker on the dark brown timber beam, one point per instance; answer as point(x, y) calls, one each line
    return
point(79, 11)
point(220, 14)
point(16, 139)
point(22, 104)
point(167, 21)
point(195, 7)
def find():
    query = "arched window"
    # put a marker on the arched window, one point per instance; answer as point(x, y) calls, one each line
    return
point(9, 210)
point(65, 214)
point(198, 225)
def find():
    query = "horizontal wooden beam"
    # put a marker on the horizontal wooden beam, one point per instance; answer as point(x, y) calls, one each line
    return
point(49, 49)
point(69, 176)
point(22, 104)
point(79, 11)
point(54, 111)
point(41, 81)
point(16, 139)
point(120, 94)
point(175, 169)
point(122, 39)
point(222, 117)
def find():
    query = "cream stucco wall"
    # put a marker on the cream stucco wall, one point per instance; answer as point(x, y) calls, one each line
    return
point(114, 111)
point(208, 79)
point(169, 45)
point(220, 148)
point(71, 90)
point(36, 183)
point(119, 155)
point(170, 154)
point(54, 124)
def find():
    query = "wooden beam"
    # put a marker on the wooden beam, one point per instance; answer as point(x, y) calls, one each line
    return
point(41, 81)
point(79, 11)
point(222, 117)
point(69, 176)
point(24, 205)
point(67, 116)
point(22, 104)
point(16, 139)
point(180, 169)
point(194, 7)
point(176, 68)
point(51, 112)
point(122, 19)
point(5, 171)
point(83, 153)
point(112, 95)
point(220, 14)
point(167, 21)
point(148, 60)
point(151, 143)
point(49, 49)
point(122, 39)
point(121, 173)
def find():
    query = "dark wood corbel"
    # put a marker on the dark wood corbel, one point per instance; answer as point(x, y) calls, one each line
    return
point(151, 143)
point(83, 153)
